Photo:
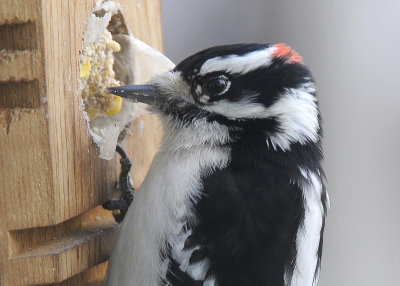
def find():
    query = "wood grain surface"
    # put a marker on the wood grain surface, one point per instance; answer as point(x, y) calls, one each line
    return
point(52, 182)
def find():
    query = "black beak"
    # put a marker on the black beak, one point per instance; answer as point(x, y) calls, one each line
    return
point(146, 93)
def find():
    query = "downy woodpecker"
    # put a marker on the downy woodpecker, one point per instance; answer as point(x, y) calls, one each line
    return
point(235, 194)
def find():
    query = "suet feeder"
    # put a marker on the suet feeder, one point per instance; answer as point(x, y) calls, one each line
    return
point(53, 229)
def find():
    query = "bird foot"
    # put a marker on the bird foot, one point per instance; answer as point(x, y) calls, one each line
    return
point(120, 205)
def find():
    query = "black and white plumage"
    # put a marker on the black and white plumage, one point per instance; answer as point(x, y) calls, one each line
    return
point(235, 194)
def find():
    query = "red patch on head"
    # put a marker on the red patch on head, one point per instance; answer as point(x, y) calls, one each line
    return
point(284, 51)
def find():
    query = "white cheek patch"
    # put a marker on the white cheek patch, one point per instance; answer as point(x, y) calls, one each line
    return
point(245, 108)
point(235, 64)
point(296, 112)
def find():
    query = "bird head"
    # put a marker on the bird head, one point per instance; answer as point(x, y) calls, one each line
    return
point(255, 88)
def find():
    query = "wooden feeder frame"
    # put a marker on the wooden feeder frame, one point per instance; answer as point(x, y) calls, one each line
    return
point(52, 182)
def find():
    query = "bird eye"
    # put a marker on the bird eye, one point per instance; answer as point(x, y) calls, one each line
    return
point(217, 85)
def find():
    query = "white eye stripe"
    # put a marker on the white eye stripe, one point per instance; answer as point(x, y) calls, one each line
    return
point(239, 64)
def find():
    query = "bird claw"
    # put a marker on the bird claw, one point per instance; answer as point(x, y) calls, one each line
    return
point(120, 206)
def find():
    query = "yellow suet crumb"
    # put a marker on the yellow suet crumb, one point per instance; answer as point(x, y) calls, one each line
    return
point(96, 72)
point(115, 106)
point(85, 69)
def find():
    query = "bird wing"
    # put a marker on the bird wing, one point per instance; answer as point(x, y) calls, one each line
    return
point(247, 220)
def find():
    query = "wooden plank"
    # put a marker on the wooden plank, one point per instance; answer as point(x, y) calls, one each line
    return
point(53, 254)
point(27, 11)
point(143, 18)
point(11, 62)
point(81, 180)
point(51, 172)
point(90, 277)
point(24, 190)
